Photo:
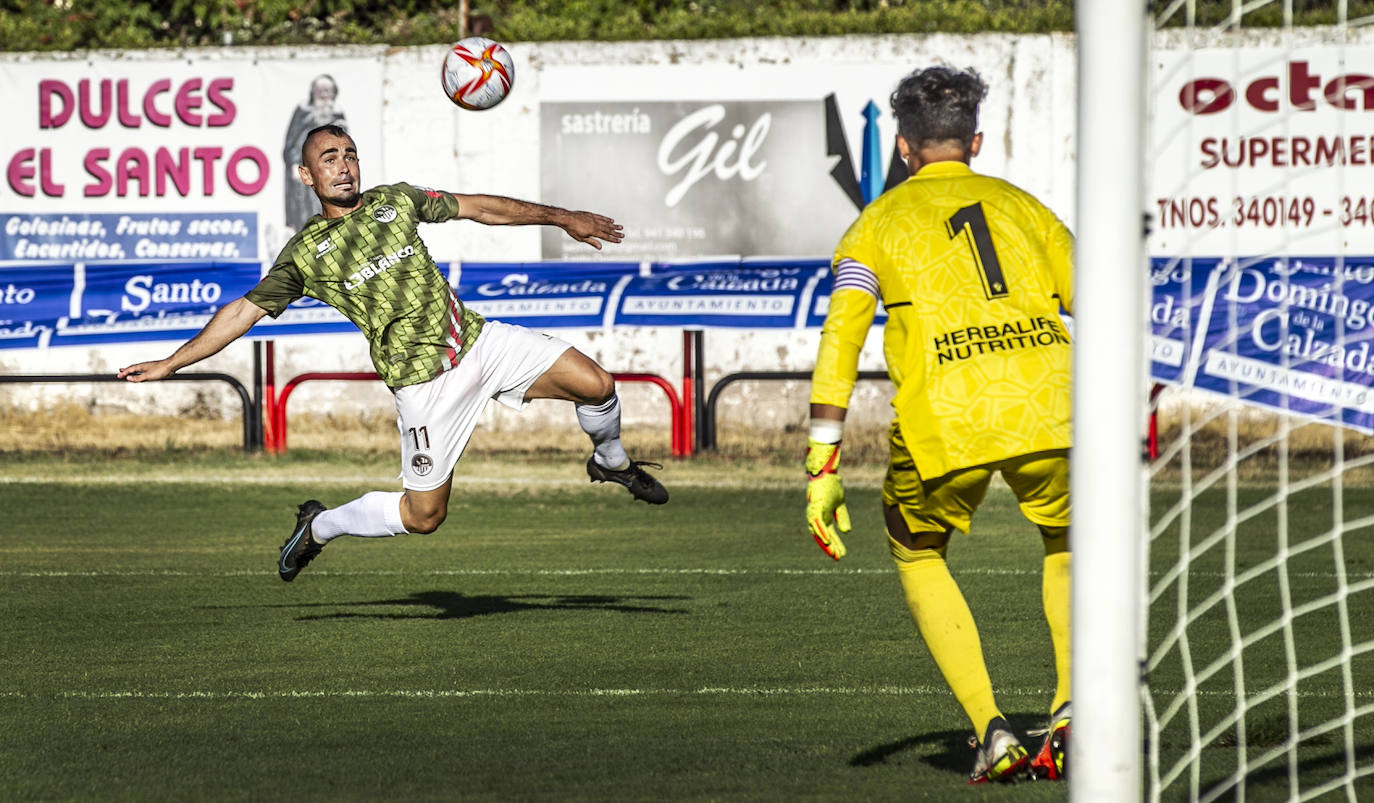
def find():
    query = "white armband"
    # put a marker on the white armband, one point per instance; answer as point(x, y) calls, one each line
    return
point(825, 430)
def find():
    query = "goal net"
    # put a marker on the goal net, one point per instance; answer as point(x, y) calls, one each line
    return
point(1255, 639)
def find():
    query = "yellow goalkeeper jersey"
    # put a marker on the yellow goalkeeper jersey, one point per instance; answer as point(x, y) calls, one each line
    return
point(973, 272)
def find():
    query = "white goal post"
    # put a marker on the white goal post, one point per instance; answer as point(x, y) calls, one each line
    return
point(1108, 530)
point(1223, 640)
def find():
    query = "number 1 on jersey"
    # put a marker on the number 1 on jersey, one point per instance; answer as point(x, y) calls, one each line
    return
point(972, 220)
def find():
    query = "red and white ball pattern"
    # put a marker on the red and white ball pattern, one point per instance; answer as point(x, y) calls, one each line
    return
point(478, 73)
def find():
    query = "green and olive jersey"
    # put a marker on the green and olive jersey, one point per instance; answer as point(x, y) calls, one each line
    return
point(372, 266)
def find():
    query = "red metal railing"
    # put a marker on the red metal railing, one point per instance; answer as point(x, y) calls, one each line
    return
point(275, 425)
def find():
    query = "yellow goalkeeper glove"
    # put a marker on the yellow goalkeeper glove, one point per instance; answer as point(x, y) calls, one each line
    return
point(826, 514)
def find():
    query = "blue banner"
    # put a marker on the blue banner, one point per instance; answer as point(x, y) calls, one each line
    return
point(114, 237)
point(753, 294)
point(32, 302)
point(1289, 333)
point(115, 303)
point(541, 295)
point(1180, 287)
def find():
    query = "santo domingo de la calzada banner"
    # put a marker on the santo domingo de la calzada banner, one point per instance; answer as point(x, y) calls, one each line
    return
point(1262, 226)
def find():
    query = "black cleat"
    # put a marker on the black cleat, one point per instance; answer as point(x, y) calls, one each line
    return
point(301, 547)
point(640, 484)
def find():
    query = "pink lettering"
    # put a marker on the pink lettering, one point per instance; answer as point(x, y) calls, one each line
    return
point(236, 182)
point(179, 171)
point(1300, 86)
point(48, 91)
point(1337, 92)
point(132, 165)
point(208, 157)
point(1206, 96)
point(127, 118)
point(89, 116)
point(1260, 94)
point(103, 183)
point(218, 94)
point(50, 188)
point(1266, 93)
point(21, 173)
point(188, 101)
point(150, 110)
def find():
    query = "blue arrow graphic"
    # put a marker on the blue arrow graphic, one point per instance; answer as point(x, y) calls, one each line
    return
point(871, 178)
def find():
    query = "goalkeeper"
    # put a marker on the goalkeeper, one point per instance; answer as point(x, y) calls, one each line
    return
point(972, 272)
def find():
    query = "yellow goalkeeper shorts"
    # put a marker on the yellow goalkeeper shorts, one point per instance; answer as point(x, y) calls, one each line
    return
point(1039, 480)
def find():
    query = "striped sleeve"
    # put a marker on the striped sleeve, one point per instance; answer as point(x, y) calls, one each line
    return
point(850, 274)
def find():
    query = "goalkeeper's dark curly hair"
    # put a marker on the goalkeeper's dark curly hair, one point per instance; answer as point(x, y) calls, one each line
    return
point(938, 104)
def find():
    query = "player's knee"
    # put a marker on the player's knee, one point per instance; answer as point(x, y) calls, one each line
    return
point(423, 519)
point(600, 385)
point(1056, 539)
point(426, 524)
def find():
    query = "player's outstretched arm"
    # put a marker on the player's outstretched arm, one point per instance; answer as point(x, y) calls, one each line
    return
point(228, 324)
point(498, 210)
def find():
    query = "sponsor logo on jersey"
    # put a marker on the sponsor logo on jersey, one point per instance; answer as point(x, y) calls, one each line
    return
point(421, 464)
point(384, 213)
point(324, 247)
point(376, 267)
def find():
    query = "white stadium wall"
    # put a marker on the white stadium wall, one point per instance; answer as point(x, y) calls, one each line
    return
point(408, 131)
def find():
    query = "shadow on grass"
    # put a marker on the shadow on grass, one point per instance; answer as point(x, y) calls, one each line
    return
point(456, 605)
point(1312, 769)
point(947, 750)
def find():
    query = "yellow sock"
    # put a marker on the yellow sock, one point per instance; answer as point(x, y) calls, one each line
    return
point(946, 624)
point(1054, 593)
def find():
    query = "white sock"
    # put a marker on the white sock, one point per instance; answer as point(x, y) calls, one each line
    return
point(602, 423)
point(376, 514)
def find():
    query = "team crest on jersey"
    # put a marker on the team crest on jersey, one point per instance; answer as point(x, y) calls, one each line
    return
point(384, 214)
point(421, 464)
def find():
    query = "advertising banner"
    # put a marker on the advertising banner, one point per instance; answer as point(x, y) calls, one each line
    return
point(696, 178)
point(1260, 150)
point(729, 294)
point(159, 156)
point(1289, 333)
point(1259, 155)
point(32, 302)
point(117, 303)
point(541, 296)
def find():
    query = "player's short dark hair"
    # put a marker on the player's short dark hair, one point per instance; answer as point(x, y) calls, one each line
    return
point(328, 128)
point(938, 104)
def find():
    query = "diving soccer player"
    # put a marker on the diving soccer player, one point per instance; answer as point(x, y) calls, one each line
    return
point(363, 256)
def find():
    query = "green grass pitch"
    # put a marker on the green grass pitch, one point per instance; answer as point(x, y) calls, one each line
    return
point(551, 642)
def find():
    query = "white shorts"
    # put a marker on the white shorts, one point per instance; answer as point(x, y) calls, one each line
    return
point(436, 418)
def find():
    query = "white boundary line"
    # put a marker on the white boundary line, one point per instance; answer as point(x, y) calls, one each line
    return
point(489, 572)
point(831, 571)
point(774, 691)
point(512, 483)
point(706, 691)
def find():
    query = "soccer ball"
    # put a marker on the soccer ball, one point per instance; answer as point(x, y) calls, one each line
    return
point(478, 73)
